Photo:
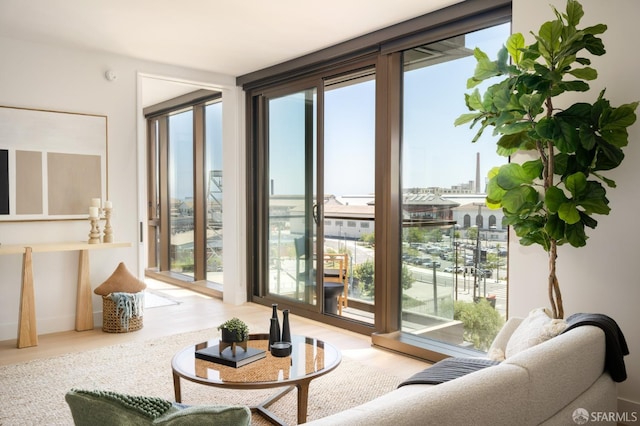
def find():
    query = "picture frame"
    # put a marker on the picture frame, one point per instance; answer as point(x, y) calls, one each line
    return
point(52, 163)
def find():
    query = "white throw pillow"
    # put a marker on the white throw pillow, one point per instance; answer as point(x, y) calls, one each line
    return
point(535, 328)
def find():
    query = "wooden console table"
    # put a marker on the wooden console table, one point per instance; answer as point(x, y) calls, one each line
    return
point(27, 333)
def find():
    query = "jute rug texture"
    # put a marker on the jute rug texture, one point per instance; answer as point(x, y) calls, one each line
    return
point(32, 393)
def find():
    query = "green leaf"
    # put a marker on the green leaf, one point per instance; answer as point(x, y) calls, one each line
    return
point(555, 227)
point(609, 182)
point(587, 137)
point(513, 128)
point(560, 163)
point(538, 237)
point(575, 235)
point(594, 199)
point(514, 43)
point(479, 54)
point(465, 118)
point(569, 213)
point(549, 35)
point(516, 199)
point(609, 155)
point(485, 69)
point(512, 143)
point(533, 168)
point(596, 29)
point(588, 220)
point(532, 103)
point(495, 192)
point(512, 175)
point(593, 45)
point(585, 73)
point(568, 139)
point(576, 184)
point(502, 61)
point(474, 101)
point(472, 82)
point(554, 198)
point(580, 111)
point(546, 128)
point(621, 117)
point(573, 86)
point(574, 13)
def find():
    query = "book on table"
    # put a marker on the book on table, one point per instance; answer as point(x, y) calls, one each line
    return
point(241, 358)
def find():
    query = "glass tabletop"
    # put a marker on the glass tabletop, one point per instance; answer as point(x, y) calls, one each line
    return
point(309, 358)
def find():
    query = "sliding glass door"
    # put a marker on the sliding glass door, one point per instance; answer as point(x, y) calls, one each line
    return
point(318, 184)
point(292, 196)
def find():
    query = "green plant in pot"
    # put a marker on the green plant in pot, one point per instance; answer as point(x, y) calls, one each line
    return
point(234, 330)
point(549, 200)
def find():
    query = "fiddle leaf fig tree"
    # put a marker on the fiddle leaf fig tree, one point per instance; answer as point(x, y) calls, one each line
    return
point(551, 199)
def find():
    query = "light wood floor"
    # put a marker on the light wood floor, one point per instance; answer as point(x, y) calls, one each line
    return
point(196, 312)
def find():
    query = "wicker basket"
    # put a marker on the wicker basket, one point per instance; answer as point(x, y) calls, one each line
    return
point(111, 322)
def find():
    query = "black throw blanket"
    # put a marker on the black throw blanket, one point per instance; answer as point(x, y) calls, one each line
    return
point(448, 369)
point(616, 345)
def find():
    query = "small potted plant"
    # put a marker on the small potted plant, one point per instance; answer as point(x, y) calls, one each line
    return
point(234, 330)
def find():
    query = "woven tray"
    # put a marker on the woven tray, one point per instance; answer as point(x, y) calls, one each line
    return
point(111, 318)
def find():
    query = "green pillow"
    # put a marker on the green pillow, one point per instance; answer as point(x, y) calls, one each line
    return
point(113, 409)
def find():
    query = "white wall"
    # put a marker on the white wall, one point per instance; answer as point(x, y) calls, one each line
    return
point(601, 277)
point(52, 78)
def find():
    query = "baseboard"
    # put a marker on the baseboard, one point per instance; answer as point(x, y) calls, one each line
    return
point(629, 412)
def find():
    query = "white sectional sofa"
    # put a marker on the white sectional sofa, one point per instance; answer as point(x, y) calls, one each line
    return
point(542, 385)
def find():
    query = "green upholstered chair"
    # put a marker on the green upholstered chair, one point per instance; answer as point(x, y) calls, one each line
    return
point(105, 408)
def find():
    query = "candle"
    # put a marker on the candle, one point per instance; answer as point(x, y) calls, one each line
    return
point(107, 204)
point(95, 202)
point(93, 212)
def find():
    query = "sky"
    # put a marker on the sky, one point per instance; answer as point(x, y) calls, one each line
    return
point(181, 149)
point(434, 151)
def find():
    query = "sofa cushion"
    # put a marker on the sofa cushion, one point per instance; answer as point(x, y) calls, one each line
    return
point(536, 328)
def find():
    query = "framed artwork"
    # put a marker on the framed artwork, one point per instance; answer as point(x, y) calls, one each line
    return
point(52, 164)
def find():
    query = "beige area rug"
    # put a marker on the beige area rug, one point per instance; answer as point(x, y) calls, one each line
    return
point(32, 393)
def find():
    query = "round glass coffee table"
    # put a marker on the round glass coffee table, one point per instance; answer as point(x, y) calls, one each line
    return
point(310, 358)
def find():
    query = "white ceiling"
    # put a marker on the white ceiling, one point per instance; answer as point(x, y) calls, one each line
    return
point(232, 37)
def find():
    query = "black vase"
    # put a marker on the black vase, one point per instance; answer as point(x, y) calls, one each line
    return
point(274, 332)
point(274, 315)
point(286, 331)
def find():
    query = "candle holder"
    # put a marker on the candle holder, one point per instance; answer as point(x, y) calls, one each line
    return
point(108, 231)
point(94, 234)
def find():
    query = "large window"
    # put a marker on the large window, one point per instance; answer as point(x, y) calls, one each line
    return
point(185, 192)
point(390, 183)
point(453, 290)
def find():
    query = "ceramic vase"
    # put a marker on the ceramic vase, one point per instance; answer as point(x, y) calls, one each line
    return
point(286, 331)
point(274, 315)
point(274, 332)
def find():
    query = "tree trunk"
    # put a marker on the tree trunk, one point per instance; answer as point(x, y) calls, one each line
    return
point(555, 297)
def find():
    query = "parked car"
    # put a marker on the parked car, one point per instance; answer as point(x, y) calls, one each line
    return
point(431, 264)
point(485, 273)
